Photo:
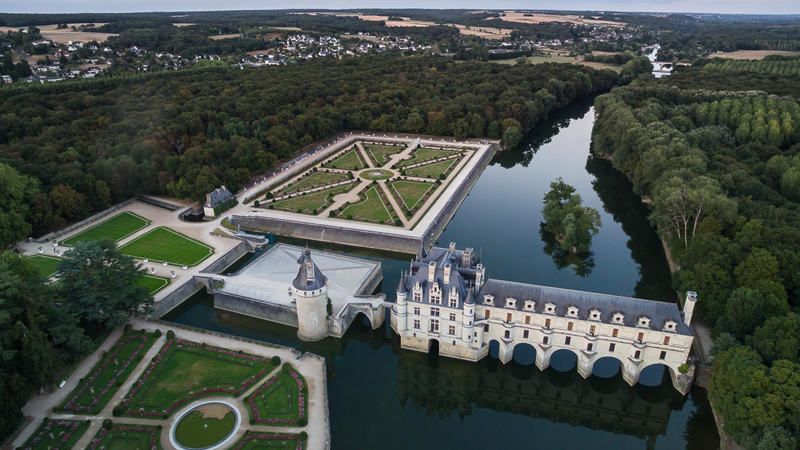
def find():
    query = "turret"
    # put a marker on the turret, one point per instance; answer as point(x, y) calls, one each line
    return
point(401, 307)
point(688, 307)
point(310, 288)
point(468, 318)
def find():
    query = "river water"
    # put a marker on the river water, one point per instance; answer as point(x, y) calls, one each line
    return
point(387, 398)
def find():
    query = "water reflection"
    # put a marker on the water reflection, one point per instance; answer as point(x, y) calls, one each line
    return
point(581, 263)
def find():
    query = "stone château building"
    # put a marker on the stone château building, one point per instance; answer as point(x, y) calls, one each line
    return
point(447, 299)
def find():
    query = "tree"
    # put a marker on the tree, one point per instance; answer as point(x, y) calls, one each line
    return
point(779, 338)
point(573, 224)
point(748, 308)
point(100, 285)
point(14, 199)
point(512, 137)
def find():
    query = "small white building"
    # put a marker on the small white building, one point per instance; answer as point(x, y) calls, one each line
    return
point(216, 199)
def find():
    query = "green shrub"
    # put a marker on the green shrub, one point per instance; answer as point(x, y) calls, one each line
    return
point(158, 333)
point(257, 204)
point(286, 367)
point(276, 360)
point(170, 334)
point(117, 411)
point(128, 327)
point(303, 434)
point(683, 368)
point(107, 424)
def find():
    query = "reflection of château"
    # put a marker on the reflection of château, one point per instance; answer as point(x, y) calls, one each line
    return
point(447, 300)
point(452, 387)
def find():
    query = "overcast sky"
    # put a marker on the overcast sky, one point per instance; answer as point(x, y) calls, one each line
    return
point(709, 6)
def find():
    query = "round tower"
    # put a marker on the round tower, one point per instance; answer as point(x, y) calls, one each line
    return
point(402, 307)
point(310, 289)
point(468, 318)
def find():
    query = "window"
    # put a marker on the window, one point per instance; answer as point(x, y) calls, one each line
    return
point(487, 314)
point(666, 340)
point(592, 329)
point(507, 334)
point(416, 324)
point(637, 354)
point(486, 328)
point(453, 316)
point(547, 323)
point(569, 326)
point(416, 310)
point(453, 302)
point(640, 338)
point(663, 355)
point(417, 296)
point(545, 340)
point(434, 326)
point(435, 312)
point(589, 347)
point(525, 334)
point(611, 347)
point(451, 330)
point(527, 320)
point(615, 333)
point(508, 317)
point(568, 340)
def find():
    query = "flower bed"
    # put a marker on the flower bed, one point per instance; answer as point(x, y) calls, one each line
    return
point(108, 374)
point(151, 435)
point(184, 397)
point(298, 391)
point(270, 439)
point(48, 436)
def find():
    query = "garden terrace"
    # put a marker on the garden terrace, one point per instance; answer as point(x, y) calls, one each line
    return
point(184, 371)
point(379, 153)
point(47, 265)
point(162, 244)
point(154, 283)
point(350, 160)
point(103, 381)
point(434, 171)
point(409, 193)
point(282, 400)
point(421, 155)
point(127, 437)
point(311, 203)
point(56, 435)
point(313, 179)
point(372, 208)
point(116, 228)
point(277, 441)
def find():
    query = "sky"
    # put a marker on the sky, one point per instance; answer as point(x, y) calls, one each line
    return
point(698, 6)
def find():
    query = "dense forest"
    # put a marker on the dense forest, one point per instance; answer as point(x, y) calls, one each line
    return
point(722, 168)
point(94, 143)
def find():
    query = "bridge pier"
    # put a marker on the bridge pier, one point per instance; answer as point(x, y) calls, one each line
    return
point(542, 359)
point(585, 365)
point(505, 352)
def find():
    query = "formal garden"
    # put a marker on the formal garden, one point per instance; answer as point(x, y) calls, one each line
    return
point(350, 160)
point(315, 178)
point(434, 171)
point(185, 371)
point(253, 440)
point(56, 435)
point(47, 265)
point(379, 154)
point(126, 437)
point(162, 244)
point(371, 208)
point(311, 203)
point(410, 193)
point(422, 154)
point(116, 228)
point(281, 400)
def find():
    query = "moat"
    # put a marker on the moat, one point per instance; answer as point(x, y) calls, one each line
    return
point(384, 397)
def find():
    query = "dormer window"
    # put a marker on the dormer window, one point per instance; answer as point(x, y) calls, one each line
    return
point(670, 325)
point(572, 311)
point(594, 314)
point(488, 300)
point(643, 322)
point(618, 317)
point(511, 303)
point(435, 294)
point(529, 305)
point(452, 299)
point(550, 308)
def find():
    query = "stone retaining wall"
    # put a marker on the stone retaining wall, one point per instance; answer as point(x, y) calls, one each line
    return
point(55, 234)
point(262, 310)
point(158, 203)
point(229, 258)
point(175, 298)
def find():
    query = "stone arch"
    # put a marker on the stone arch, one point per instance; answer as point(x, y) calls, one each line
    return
point(655, 374)
point(362, 322)
point(494, 348)
point(524, 354)
point(607, 366)
point(563, 359)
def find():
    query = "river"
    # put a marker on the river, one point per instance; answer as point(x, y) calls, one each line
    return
point(387, 398)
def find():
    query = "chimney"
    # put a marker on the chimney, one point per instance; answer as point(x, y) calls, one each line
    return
point(431, 271)
point(466, 258)
point(688, 307)
point(480, 273)
point(447, 273)
point(452, 247)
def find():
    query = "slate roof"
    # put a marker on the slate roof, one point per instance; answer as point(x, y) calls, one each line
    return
point(632, 308)
point(217, 196)
point(305, 281)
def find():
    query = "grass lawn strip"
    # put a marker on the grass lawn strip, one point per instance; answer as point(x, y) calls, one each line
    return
point(431, 170)
point(372, 208)
point(154, 283)
point(92, 394)
point(316, 179)
point(184, 371)
point(315, 201)
point(279, 441)
point(349, 161)
point(46, 264)
point(411, 192)
point(116, 228)
point(425, 154)
point(56, 435)
point(128, 437)
point(271, 404)
point(163, 244)
point(380, 153)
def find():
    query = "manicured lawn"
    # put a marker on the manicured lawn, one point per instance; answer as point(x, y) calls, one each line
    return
point(127, 437)
point(253, 440)
point(70, 430)
point(349, 161)
point(184, 371)
point(412, 191)
point(162, 244)
point(154, 283)
point(281, 401)
point(46, 264)
point(116, 228)
point(381, 153)
point(371, 209)
point(431, 170)
point(310, 202)
point(314, 180)
point(195, 430)
point(425, 154)
point(103, 381)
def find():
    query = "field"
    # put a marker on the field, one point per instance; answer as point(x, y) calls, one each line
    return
point(91, 395)
point(310, 202)
point(484, 32)
point(219, 37)
point(424, 154)
point(46, 264)
point(70, 431)
point(381, 153)
point(314, 180)
point(184, 371)
point(370, 209)
point(752, 54)
point(154, 283)
point(431, 170)
point(128, 437)
point(534, 18)
point(162, 244)
point(560, 59)
point(66, 34)
point(412, 191)
point(116, 228)
point(349, 161)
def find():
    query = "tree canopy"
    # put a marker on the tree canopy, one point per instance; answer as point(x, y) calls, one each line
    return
point(573, 224)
